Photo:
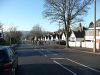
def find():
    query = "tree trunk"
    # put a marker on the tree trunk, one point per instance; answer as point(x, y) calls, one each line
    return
point(66, 33)
point(67, 37)
point(67, 44)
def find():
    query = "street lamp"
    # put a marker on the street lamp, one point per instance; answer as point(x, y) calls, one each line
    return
point(94, 49)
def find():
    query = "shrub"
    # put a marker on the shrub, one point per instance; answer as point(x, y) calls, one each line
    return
point(62, 42)
point(2, 41)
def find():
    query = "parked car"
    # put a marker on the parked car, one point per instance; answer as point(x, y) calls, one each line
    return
point(13, 46)
point(8, 61)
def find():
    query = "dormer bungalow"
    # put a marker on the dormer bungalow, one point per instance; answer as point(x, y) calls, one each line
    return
point(89, 36)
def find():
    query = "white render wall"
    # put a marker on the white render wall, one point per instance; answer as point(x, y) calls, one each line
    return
point(91, 37)
point(51, 38)
point(84, 44)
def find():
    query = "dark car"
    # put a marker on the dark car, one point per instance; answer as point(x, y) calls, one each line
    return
point(8, 61)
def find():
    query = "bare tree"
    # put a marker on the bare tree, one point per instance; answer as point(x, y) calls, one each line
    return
point(66, 11)
point(1, 30)
point(36, 31)
point(13, 36)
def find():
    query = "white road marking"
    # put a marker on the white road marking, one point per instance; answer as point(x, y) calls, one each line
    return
point(65, 67)
point(77, 63)
point(83, 65)
point(57, 58)
point(43, 54)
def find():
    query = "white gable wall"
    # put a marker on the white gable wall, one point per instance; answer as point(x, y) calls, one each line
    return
point(45, 38)
point(51, 38)
point(63, 37)
point(72, 37)
point(35, 38)
point(56, 38)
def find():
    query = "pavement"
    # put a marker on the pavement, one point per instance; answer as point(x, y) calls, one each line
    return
point(86, 50)
point(81, 49)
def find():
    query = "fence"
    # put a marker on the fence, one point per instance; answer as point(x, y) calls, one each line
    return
point(84, 44)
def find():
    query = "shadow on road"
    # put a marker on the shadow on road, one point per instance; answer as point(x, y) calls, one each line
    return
point(37, 53)
point(52, 69)
point(28, 53)
point(41, 69)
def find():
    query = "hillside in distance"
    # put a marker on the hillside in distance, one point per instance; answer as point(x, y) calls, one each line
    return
point(25, 33)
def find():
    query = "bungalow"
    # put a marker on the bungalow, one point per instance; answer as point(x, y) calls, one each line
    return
point(89, 36)
point(56, 36)
point(78, 33)
point(45, 38)
point(77, 36)
point(59, 36)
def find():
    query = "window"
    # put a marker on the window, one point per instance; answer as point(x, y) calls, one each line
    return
point(10, 53)
point(2, 55)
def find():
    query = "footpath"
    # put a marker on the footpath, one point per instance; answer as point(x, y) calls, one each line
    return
point(86, 50)
point(81, 49)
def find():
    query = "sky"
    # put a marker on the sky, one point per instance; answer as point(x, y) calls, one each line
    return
point(24, 14)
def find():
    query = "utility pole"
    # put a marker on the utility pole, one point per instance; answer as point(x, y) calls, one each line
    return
point(94, 49)
point(59, 32)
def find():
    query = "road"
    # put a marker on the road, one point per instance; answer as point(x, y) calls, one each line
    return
point(37, 60)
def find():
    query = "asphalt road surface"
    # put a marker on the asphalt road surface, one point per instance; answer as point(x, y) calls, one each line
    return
point(38, 60)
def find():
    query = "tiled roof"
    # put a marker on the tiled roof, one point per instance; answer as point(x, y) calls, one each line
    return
point(79, 34)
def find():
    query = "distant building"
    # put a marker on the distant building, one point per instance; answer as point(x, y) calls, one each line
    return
point(77, 34)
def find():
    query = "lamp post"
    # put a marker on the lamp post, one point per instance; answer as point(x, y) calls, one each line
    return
point(94, 49)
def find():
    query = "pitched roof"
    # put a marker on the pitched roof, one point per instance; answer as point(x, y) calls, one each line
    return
point(79, 34)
